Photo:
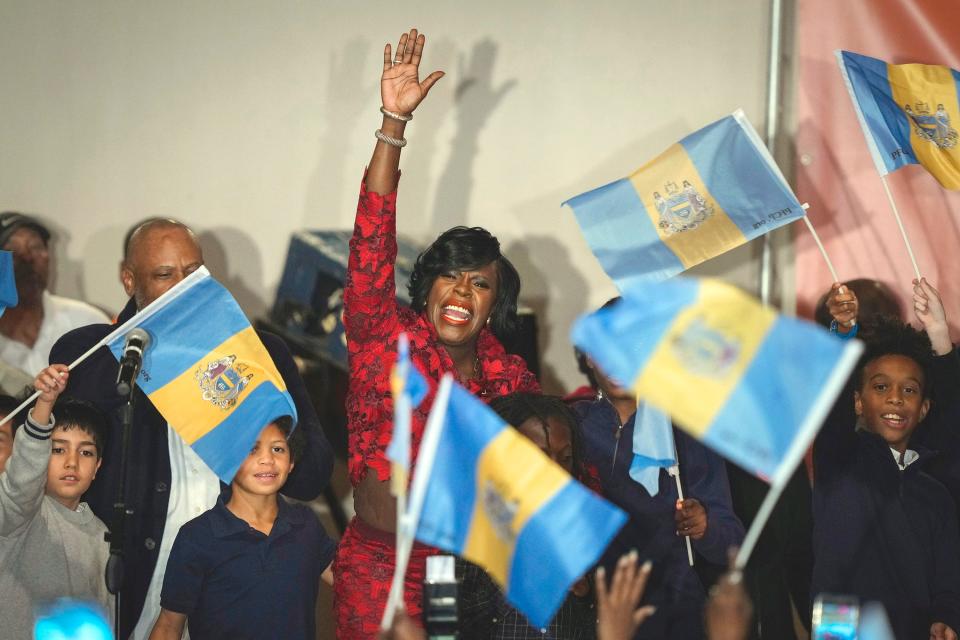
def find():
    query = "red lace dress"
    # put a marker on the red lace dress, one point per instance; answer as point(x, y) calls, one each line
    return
point(373, 320)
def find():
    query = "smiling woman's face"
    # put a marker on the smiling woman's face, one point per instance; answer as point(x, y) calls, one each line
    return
point(460, 302)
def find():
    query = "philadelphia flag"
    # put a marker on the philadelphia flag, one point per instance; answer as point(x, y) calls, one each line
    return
point(748, 382)
point(908, 113)
point(493, 497)
point(207, 372)
point(712, 191)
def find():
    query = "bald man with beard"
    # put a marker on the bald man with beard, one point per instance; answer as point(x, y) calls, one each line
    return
point(167, 484)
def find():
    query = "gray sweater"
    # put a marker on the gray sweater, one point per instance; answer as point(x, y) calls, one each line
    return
point(47, 551)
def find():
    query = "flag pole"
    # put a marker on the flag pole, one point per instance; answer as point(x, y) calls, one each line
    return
point(903, 232)
point(759, 522)
point(674, 470)
point(816, 238)
point(140, 316)
point(804, 438)
point(36, 394)
point(398, 479)
point(408, 521)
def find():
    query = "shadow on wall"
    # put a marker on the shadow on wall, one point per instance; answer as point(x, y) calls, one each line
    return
point(528, 256)
point(476, 97)
point(66, 275)
point(233, 258)
point(551, 243)
point(100, 263)
point(431, 117)
point(349, 93)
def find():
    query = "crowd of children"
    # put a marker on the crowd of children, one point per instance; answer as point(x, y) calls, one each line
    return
point(885, 528)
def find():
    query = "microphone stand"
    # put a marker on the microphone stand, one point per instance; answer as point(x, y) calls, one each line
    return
point(114, 573)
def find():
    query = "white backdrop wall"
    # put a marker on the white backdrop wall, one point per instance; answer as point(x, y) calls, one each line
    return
point(250, 119)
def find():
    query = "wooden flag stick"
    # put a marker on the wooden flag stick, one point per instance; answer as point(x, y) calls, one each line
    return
point(903, 232)
point(823, 251)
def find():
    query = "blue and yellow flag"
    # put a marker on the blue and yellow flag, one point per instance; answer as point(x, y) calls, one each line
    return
point(8, 285)
point(711, 192)
point(653, 447)
point(749, 383)
point(408, 389)
point(494, 498)
point(207, 372)
point(908, 112)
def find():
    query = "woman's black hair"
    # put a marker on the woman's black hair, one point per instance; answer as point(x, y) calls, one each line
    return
point(889, 336)
point(518, 407)
point(464, 249)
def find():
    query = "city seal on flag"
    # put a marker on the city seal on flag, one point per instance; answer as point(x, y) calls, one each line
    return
point(683, 209)
point(500, 510)
point(932, 127)
point(223, 381)
point(705, 350)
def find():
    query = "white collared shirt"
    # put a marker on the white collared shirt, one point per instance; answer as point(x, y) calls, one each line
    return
point(60, 315)
point(909, 457)
point(194, 488)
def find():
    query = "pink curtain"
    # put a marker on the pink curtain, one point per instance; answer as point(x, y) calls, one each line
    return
point(835, 173)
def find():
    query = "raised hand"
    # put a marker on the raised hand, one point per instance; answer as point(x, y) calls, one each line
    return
point(930, 313)
point(400, 87)
point(50, 383)
point(617, 614)
point(843, 306)
point(729, 610)
point(401, 91)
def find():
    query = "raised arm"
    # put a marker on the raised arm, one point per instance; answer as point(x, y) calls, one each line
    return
point(23, 480)
point(939, 427)
point(930, 313)
point(401, 91)
point(369, 295)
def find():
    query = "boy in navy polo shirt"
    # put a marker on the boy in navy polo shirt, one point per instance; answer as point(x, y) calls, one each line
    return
point(250, 567)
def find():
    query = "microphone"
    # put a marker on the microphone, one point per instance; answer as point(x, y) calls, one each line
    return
point(137, 342)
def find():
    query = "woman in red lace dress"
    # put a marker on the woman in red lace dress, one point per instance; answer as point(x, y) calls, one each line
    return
point(464, 294)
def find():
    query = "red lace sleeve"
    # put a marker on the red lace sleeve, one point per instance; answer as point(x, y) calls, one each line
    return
point(369, 293)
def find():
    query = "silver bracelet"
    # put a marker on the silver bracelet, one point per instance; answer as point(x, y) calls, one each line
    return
point(393, 142)
point(396, 116)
